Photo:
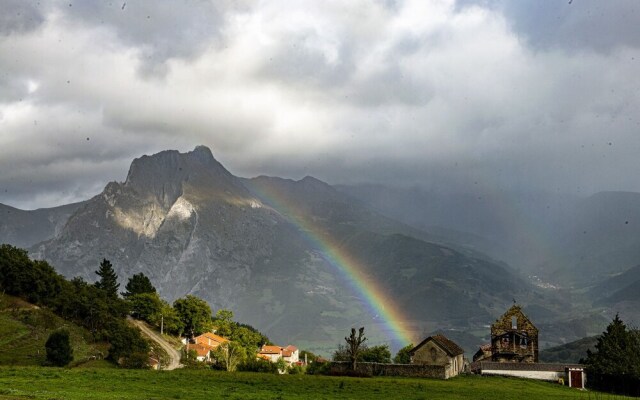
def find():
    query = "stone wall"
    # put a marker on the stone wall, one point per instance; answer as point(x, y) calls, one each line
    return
point(376, 369)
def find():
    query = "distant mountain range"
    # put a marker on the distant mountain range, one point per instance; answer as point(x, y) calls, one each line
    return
point(564, 240)
point(25, 228)
point(259, 247)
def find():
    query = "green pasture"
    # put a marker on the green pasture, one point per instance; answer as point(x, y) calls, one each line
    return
point(80, 383)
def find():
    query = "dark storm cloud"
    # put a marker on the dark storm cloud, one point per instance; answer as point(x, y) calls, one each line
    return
point(19, 16)
point(427, 92)
point(159, 29)
point(571, 25)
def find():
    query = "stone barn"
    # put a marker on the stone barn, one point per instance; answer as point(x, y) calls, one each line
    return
point(514, 338)
point(437, 350)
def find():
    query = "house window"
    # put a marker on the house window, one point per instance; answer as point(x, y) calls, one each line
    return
point(514, 323)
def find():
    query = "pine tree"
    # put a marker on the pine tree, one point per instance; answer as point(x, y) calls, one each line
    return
point(616, 352)
point(108, 279)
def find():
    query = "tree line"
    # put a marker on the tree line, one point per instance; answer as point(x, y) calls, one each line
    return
point(96, 307)
point(100, 309)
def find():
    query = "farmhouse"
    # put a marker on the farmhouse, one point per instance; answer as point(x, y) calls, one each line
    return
point(210, 339)
point(289, 354)
point(438, 350)
point(204, 344)
point(435, 357)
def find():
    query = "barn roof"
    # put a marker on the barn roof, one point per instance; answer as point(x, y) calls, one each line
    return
point(449, 346)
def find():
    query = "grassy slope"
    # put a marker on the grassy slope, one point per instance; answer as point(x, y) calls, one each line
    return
point(24, 330)
point(47, 383)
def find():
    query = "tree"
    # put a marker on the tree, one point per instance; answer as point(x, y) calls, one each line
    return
point(224, 322)
point(308, 356)
point(58, 347)
point(146, 306)
point(108, 279)
point(229, 355)
point(138, 284)
point(128, 348)
point(170, 320)
point(403, 356)
point(617, 351)
point(194, 313)
point(378, 354)
point(354, 344)
point(248, 338)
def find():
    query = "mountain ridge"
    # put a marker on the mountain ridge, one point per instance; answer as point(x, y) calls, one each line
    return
point(194, 228)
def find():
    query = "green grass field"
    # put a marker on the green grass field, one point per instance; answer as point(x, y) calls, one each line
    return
point(77, 383)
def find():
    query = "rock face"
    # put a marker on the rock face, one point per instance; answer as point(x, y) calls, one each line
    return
point(246, 244)
point(25, 228)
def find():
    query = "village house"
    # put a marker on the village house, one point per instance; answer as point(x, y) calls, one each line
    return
point(289, 354)
point(204, 344)
point(438, 350)
point(210, 339)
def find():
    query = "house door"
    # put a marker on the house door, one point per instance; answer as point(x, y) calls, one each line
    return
point(576, 379)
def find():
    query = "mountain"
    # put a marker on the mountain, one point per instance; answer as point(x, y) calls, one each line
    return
point(563, 240)
point(452, 283)
point(26, 228)
point(616, 285)
point(518, 228)
point(569, 353)
point(599, 239)
point(263, 248)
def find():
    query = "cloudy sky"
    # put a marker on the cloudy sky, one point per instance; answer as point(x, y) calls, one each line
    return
point(540, 94)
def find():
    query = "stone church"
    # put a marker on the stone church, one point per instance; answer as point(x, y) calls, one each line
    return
point(514, 338)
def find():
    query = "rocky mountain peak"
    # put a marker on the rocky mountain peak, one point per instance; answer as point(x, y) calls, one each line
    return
point(164, 174)
point(203, 154)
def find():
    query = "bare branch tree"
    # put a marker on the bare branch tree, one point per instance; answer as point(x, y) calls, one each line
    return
point(354, 344)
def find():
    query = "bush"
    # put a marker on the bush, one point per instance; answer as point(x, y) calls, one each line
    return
point(58, 347)
point(295, 369)
point(319, 368)
point(254, 365)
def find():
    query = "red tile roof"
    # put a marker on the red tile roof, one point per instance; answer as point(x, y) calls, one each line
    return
point(271, 350)
point(211, 336)
point(200, 348)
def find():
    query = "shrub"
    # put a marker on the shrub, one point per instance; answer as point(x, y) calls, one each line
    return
point(319, 368)
point(58, 347)
point(254, 365)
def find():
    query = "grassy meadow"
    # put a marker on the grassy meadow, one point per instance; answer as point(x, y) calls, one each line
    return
point(25, 328)
point(85, 383)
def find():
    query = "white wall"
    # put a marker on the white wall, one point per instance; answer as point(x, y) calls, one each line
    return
point(540, 375)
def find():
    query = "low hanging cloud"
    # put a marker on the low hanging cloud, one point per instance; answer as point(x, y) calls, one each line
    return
point(414, 92)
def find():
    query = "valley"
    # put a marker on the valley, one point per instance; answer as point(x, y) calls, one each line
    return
point(301, 259)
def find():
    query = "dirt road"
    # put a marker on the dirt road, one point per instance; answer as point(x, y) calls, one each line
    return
point(174, 355)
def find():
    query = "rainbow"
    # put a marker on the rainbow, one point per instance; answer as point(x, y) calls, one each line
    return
point(354, 272)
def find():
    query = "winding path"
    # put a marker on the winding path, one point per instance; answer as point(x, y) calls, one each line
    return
point(174, 355)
